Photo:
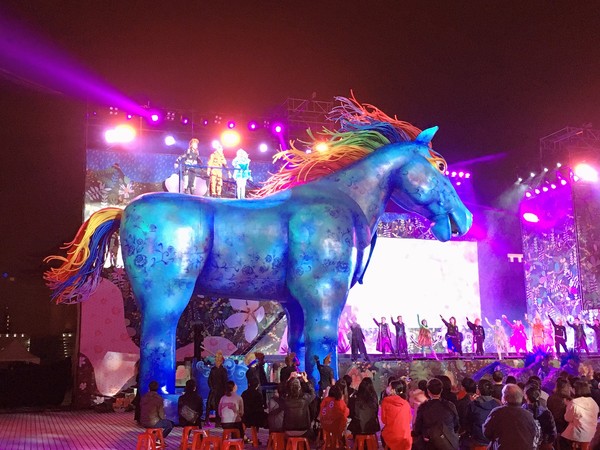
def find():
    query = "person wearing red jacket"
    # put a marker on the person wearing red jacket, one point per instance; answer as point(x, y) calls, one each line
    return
point(333, 413)
point(396, 418)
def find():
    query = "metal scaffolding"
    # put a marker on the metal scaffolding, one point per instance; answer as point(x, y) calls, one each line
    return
point(570, 145)
point(303, 113)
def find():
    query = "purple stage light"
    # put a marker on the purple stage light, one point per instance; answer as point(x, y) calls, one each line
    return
point(537, 191)
point(205, 122)
point(447, 172)
point(530, 217)
point(458, 183)
point(563, 182)
point(461, 174)
point(553, 186)
point(467, 175)
point(231, 124)
point(277, 128)
point(545, 189)
point(154, 117)
point(252, 125)
point(528, 194)
point(453, 174)
point(185, 120)
point(129, 116)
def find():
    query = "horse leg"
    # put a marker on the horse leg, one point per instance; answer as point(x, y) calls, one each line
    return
point(163, 259)
point(295, 323)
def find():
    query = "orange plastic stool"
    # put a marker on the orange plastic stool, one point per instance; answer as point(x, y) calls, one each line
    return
point(276, 441)
point(197, 438)
point(185, 437)
point(231, 433)
point(370, 440)
point(157, 436)
point(145, 441)
point(254, 432)
point(209, 442)
point(332, 440)
point(294, 443)
point(237, 444)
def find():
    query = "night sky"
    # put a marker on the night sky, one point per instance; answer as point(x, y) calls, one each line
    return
point(495, 76)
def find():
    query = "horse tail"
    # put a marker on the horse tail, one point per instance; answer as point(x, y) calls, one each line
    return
point(79, 274)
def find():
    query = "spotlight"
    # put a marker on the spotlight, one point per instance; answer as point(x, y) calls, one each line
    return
point(563, 182)
point(553, 186)
point(467, 175)
point(461, 174)
point(530, 217)
point(458, 183)
point(531, 174)
point(184, 120)
point(263, 147)
point(169, 140)
point(559, 165)
point(519, 180)
point(231, 124)
point(154, 117)
point(545, 189)
point(537, 191)
point(453, 174)
point(528, 194)
point(252, 125)
point(129, 116)
point(170, 116)
point(113, 111)
point(230, 138)
point(277, 128)
point(215, 144)
point(121, 134)
point(447, 172)
point(205, 122)
point(586, 173)
point(321, 147)
point(545, 169)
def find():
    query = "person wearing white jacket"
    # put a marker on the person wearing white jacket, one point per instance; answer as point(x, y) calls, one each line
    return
point(582, 414)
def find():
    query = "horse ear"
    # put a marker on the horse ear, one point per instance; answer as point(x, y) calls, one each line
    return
point(426, 136)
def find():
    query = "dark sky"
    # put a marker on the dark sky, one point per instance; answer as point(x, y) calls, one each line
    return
point(495, 76)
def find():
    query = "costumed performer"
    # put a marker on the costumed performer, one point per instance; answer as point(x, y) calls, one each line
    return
point(453, 340)
point(401, 344)
point(518, 338)
point(384, 337)
point(580, 336)
point(596, 327)
point(560, 335)
point(241, 173)
point(216, 163)
point(500, 337)
point(217, 383)
point(537, 332)
point(425, 338)
point(189, 162)
point(478, 335)
point(357, 341)
point(548, 336)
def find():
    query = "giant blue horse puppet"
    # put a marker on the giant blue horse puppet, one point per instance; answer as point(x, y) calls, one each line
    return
point(304, 242)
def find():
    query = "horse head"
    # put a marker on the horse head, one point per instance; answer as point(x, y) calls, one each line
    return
point(421, 186)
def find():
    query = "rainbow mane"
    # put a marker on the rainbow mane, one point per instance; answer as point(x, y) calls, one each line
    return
point(363, 129)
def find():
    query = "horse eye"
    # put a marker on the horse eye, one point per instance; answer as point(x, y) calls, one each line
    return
point(441, 166)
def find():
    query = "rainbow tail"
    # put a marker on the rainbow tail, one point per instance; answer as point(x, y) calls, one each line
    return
point(79, 274)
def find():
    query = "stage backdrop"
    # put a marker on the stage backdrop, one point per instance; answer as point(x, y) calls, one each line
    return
point(410, 273)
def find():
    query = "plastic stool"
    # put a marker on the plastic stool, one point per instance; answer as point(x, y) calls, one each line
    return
point(254, 432)
point(293, 443)
point(197, 438)
point(145, 441)
point(185, 437)
point(157, 435)
point(237, 444)
point(332, 440)
point(370, 440)
point(231, 433)
point(276, 441)
point(209, 442)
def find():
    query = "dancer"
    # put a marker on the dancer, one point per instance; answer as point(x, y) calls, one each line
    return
point(518, 340)
point(425, 338)
point(548, 336)
point(189, 160)
point(216, 163)
point(452, 336)
point(500, 338)
point(241, 165)
point(478, 335)
point(401, 345)
point(384, 337)
point(596, 327)
point(537, 332)
point(560, 335)
point(217, 381)
point(357, 341)
point(580, 337)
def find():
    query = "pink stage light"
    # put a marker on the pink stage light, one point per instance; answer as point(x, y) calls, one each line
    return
point(563, 182)
point(461, 174)
point(537, 191)
point(453, 174)
point(553, 186)
point(154, 117)
point(231, 124)
point(467, 175)
point(205, 122)
point(185, 120)
point(278, 128)
point(129, 116)
point(447, 172)
point(545, 189)
point(458, 183)
point(586, 173)
point(252, 125)
point(528, 194)
point(530, 217)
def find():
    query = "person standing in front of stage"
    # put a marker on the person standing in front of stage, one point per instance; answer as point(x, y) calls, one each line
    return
point(384, 337)
point(560, 335)
point(357, 341)
point(217, 383)
point(453, 340)
point(291, 366)
point(596, 327)
point(326, 379)
point(425, 338)
point(580, 337)
point(401, 344)
point(478, 335)
point(189, 162)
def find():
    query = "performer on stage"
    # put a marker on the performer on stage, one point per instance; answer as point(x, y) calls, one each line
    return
point(519, 338)
point(241, 165)
point(191, 157)
point(580, 337)
point(401, 344)
point(548, 336)
point(500, 338)
point(425, 338)
point(537, 332)
point(384, 337)
point(357, 341)
point(596, 327)
point(217, 379)
point(452, 336)
point(216, 163)
point(560, 335)
point(478, 335)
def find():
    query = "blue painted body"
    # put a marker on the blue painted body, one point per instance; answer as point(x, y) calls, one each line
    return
point(304, 247)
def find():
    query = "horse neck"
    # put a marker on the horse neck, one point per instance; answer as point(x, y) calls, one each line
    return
point(368, 181)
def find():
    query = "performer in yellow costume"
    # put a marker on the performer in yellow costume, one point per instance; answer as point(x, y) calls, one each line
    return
point(215, 164)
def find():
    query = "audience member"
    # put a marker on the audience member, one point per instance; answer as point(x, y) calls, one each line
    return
point(190, 405)
point(436, 424)
point(465, 397)
point(477, 413)
point(557, 405)
point(333, 414)
point(497, 378)
point(581, 415)
point(254, 406)
point(275, 410)
point(231, 409)
point(510, 426)
point(447, 393)
point(396, 418)
point(152, 410)
point(363, 417)
point(543, 417)
point(296, 412)
point(217, 381)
